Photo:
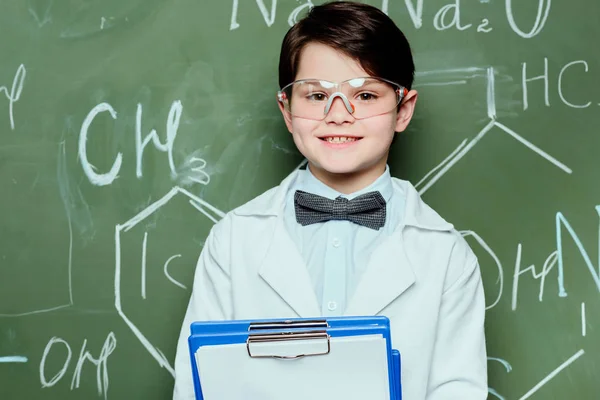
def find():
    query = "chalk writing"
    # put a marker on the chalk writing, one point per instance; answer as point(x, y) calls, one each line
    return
point(103, 179)
point(539, 385)
point(36, 12)
point(14, 94)
point(445, 18)
point(208, 210)
point(13, 359)
point(583, 323)
point(562, 222)
point(63, 188)
point(414, 8)
point(49, 383)
point(484, 26)
point(560, 83)
point(546, 268)
point(552, 374)
point(193, 170)
point(440, 20)
point(101, 364)
point(88, 168)
point(540, 20)
point(582, 66)
point(488, 249)
point(507, 367)
point(166, 271)
point(172, 125)
point(144, 247)
point(556, 258)
point(269, 17)
point(293, 18)
point(467, 145)
point(165, 267)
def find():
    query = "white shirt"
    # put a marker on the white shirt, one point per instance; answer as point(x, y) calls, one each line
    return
point(336, 253)
point(423, 277)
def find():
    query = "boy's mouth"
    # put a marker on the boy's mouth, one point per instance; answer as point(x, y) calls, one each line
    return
point(340, 139)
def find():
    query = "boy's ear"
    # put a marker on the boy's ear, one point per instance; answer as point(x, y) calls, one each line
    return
point(287, 117)
point(406, 110)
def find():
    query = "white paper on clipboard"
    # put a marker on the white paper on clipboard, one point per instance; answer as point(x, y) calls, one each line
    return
point(355, 369)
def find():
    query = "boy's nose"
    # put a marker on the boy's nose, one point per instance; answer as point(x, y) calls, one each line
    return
point(338, 112)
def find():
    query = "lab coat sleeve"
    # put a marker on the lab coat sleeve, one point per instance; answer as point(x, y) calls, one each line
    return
point(210, 300)
point(459, 365)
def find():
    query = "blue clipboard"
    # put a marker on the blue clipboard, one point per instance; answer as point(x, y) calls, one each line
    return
point(397, 371)
point(215, 333)
point(288, 323)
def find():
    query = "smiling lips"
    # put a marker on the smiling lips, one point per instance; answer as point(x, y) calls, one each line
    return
point(340, 139)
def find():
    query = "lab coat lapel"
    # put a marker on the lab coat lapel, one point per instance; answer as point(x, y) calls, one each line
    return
point(388, 275)
point(285, 271)
point(282, 268)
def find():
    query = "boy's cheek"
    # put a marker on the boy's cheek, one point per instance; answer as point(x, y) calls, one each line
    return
point(288, 122)
point(304, 128)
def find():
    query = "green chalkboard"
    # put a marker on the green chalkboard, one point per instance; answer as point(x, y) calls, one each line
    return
point(128, 127)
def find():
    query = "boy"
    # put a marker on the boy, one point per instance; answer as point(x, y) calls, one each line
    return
point(342, 237)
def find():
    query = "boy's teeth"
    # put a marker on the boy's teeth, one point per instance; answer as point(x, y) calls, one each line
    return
point(339, 139)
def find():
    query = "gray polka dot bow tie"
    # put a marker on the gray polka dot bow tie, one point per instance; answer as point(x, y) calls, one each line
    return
point(367, 209)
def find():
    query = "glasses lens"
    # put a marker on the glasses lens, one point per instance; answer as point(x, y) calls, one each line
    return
point(368, 96)
point(307, 98)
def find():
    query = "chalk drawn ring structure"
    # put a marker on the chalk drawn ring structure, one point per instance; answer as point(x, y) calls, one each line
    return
point(205, 208)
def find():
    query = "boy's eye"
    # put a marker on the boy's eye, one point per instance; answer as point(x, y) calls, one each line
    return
point(316, 96)
point(367, 96)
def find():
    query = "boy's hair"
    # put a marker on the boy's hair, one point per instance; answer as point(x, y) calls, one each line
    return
point(362, 32)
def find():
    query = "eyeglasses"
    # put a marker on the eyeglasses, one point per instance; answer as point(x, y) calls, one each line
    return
point(362, 97)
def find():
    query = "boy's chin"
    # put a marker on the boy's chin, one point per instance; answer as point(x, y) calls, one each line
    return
point(339, 169)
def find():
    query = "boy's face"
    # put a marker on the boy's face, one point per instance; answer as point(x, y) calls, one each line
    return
point(365, 155)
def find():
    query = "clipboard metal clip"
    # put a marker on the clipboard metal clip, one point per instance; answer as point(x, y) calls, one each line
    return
point(287, 335)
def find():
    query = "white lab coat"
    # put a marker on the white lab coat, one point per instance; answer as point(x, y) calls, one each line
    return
point(424, 278)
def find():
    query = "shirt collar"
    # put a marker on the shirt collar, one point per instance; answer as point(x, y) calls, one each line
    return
point(416, 212)
point(309, 183)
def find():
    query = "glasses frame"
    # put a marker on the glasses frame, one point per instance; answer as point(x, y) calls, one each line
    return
point(400, 90)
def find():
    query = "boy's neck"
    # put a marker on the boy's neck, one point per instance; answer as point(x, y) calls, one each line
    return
point(348, 183)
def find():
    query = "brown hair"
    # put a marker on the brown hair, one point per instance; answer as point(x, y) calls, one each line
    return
point(360, 31)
